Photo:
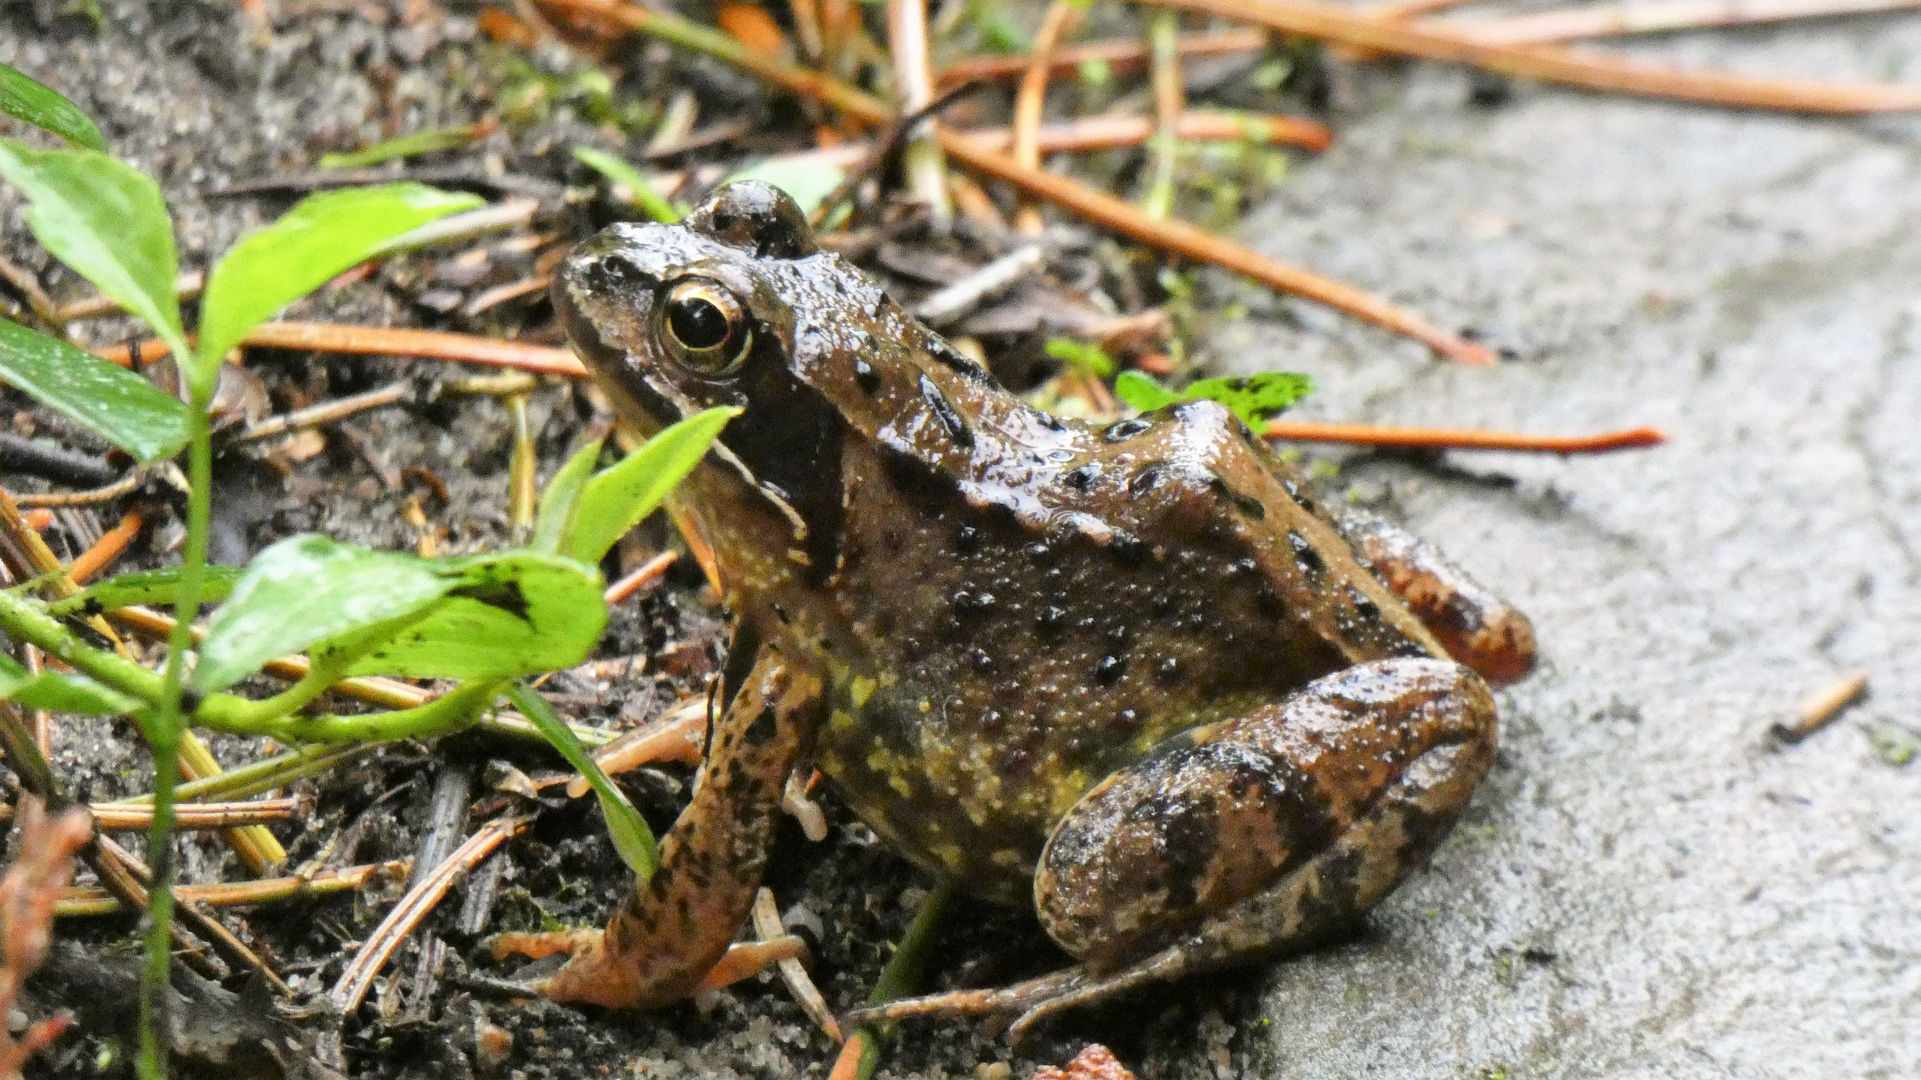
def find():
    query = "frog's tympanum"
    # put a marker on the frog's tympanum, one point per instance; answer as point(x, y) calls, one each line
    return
point(1133, 674)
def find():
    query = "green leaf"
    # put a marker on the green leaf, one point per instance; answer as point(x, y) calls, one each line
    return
point(805, 177)
point(305, 591)
point(61, 692)
point(110, 401)
point(560, 503)
point(505, 615)
point(1253, 398)
point(618, 498)
point(104, 219)
point(420, 142)
point(1084, 355)
point(145, 587)
point(1141, 392)
point(639, 191)
point(320, 237)
point(43, 108)
point(631, 836)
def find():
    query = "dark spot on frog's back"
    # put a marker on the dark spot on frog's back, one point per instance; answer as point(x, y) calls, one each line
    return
point(504, 595)
point(763, 729)
point(944, 411)
point(1309, 560)
point(957, 361)
point(865, 376)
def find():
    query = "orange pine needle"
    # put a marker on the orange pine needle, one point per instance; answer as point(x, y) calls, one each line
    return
point(108, 548)
point(1435, 40)
point(1462, 439)
point(753, 27)
point(430, 344)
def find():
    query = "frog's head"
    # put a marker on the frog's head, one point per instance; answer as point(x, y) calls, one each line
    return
point(675, 319)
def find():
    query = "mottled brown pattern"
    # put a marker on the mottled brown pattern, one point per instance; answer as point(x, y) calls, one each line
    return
point(1003, 611)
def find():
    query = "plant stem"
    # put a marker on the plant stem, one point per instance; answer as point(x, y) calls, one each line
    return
point(163, 734)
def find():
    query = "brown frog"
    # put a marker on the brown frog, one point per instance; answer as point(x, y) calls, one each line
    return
point(1133, 674)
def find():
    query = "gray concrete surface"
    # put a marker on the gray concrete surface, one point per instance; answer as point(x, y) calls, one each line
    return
point(1644, 888)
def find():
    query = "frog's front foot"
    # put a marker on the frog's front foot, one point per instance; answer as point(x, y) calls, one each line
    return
point(1249, 837)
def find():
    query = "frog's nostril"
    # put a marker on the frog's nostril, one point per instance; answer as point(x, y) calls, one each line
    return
point(618, 269)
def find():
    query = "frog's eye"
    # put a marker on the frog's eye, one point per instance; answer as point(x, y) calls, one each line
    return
point(704, 326)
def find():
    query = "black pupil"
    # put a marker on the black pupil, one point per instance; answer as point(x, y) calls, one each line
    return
point(698, 323)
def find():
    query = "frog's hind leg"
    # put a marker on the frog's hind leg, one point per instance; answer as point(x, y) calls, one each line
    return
point(1251, 837)
point(1478, 628)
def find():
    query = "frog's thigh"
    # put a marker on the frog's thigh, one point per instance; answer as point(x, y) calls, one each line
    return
point(1259, 833)
point(1479, 629)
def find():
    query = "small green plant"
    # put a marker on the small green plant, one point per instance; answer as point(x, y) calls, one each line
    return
point(485, 620)
point(1253, 398)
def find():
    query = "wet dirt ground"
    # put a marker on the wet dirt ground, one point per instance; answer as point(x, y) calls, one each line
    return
point(1646, 886)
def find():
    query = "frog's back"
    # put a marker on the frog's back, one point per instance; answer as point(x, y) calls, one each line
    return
point(1030, 604)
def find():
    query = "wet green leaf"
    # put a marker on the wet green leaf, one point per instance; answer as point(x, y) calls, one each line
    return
point(61, 692)
point(306, 591)
point(47, 110)
point(145, 587)
point(505, 615)
point(631, 836)
point(560, 503)
point(390, 613)
point(1253, 398)
point(320, 237)
point(404, 146)
point(104, 219)
point(618, 498)
point(108, 400)
point(1140, 391)
point(1084, 355)
point(626, 177)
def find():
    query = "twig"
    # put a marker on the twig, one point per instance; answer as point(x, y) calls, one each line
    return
point(29, 286)
point(62, 466)
point(767, 928)
point(327, 412)
point(500, 294)
point(914, 91)
point(964, 295)
point(1821, 707)
point(1103, 209)
point(679, 736)
point(1117, 55)
point(388, 341)
point(1431, 40)
point(105, 550)
point(1031, 99)
point(1661, 16)
point(127, 817)
point(358, 978)
point(1461, 439)
point(1163, 33)
point(77, 902)
point(114, 490)
point(646, 574)
point(1114, 130)
point(462, 177)
point(187, 284)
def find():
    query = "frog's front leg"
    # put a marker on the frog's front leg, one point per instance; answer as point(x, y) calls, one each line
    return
point(671, 930)
point(1252, 836)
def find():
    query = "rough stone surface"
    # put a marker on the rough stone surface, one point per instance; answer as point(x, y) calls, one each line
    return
point(1645, 887)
